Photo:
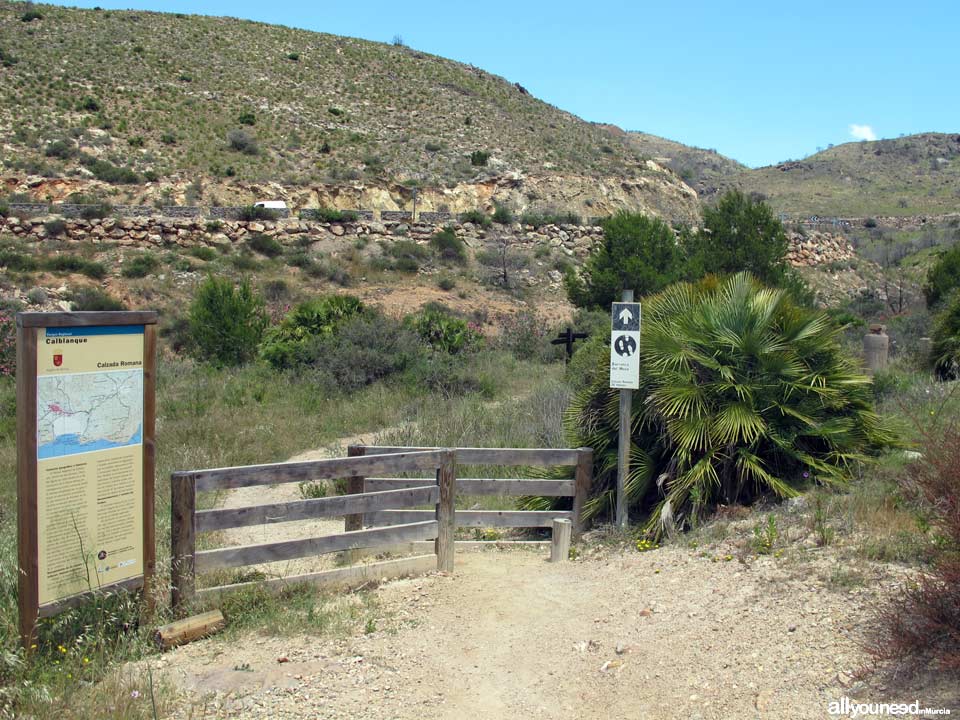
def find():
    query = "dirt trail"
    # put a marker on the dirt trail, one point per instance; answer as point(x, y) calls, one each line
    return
point(662, 634)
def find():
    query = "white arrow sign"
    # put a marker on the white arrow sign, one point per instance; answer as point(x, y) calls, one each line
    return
point(624, 346)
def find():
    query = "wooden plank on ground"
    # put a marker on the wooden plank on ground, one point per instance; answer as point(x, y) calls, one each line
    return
point(315, 508)
point(349, 576)
point(484, 486)
point(189, 629)
point(539, 457)
point(474, 518)
point(291, 549)
point(277, 473)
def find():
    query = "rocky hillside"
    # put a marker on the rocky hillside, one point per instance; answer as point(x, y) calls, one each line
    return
point(129, 98)
point(913, 175)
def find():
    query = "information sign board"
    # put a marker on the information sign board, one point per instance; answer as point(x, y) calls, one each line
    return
point(85, 456)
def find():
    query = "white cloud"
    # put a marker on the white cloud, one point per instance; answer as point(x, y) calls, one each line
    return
point(862, 132)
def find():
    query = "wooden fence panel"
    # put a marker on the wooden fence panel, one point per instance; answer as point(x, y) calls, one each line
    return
point(474, 518)
point(316, 508)
point(292, 549)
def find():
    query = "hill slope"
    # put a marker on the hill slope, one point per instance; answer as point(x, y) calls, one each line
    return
point(178, 97)
point(917, 174)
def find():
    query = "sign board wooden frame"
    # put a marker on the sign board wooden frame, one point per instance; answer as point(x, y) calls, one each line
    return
point(29, 329)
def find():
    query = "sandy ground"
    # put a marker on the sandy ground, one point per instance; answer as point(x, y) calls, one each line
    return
point(662, 634)
point(678, 632)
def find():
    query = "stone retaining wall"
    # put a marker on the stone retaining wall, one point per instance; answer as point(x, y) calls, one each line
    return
point(811, 249)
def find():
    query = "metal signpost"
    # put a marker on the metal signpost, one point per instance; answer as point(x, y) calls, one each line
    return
point(625, 376)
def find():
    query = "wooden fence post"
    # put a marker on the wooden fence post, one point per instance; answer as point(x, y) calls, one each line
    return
point(583, 480)
point(183, 538)
point(560, 541)
point(446, 479)
point(354, 487)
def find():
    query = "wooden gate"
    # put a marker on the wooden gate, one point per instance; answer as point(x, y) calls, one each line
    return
point(576, 487)
point(435, 524)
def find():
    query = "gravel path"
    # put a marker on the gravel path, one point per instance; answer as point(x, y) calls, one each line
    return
point(624, 635)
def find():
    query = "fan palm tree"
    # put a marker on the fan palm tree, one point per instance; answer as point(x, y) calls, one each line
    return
point(742, 393)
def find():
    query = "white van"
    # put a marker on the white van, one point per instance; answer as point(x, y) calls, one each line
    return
point(271, 204)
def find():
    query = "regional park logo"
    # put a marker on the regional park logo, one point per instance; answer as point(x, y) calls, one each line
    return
point(58, 360)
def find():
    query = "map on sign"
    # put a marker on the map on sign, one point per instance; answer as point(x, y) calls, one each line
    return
point(88, 411)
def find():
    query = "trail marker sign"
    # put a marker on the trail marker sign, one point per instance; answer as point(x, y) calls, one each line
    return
point(625, 346)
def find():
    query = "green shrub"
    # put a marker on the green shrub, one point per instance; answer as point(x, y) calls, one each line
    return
point(55, 227)
point(477, 217)
point(943, 277)
point(446, 283)
point(361, 350)
point(94, 299)
point(96, 211)
point(226, 322)
point(744, 394)
point(63, 149)
point(539, 219)
point(638, 253)
point(479, 158)
point(251, 213)
point(287, 344)
point(448, 246)
point(525, 336)
point(242, 141)
point(329, 215)
point(740, 234)
point(265, 245)
point(30, 16)
point(443, 332)
point(407, 255)
point(247, 118)
point(18, 262)
point(7, 60)
point(108, 172)
point(502, 214)
point(140, 266)
point(202, 252)
point(75, 264)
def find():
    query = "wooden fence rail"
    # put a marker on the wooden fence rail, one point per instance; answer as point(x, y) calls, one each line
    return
point(577, 487)
point(436, 524)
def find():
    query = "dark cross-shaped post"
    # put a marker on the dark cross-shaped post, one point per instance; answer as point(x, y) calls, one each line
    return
point(568, 337)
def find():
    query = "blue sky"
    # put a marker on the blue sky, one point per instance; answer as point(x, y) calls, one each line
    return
point(758, 81)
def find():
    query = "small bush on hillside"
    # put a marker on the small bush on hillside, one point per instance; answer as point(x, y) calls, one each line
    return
point(445, 333)
point(448, 246)
point(30, 16)
point(502, 214)
point(242, 141)
point(108, 172)
point(7, 60)
point(943, 277)
point(539, 219)
point(140, 266)
point(287, 345)
point(55, 227)
point(202, 252)
point(96, 211)
point(921, 626)
point(75, 264)
point(526, 336)
point(265, 245)
point(247, 118)
point(62, 149)
point(479, 158)
point(446, 283)
point(250, 213)
point(226, 322)
point(407, 255)
point(330, 215)
point(744, 394)
point(18, 262)
point(477, 217)
point(94, 299)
